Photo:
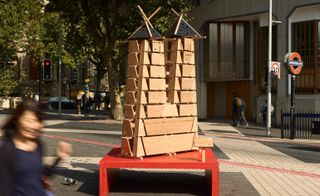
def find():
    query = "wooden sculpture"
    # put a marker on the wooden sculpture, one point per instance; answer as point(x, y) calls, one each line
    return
point(160, 103)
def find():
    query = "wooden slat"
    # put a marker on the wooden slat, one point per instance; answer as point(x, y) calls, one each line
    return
point(173, 96)
point(175, 57)
point(133, 46)
point(166, 110)
point(168, 144)
point(144, 85)
point(157, 59)
point(157, 84)
point(126, 147)
point(188, 57)
point(157, 97)
point(176, 45)
point(188, 70)
point(127, 128)
point(169, 125)
point(188, 44)
point(129, 112)
point(132, 72)
point(157, 46)
point(187, 109)
point(157, 71)
point(131, 84)
point(138, 150)
point(145, 46)
point(143, 99)
point(174, 84)
point(144, 58)
point(143, 71)
point(142, 112)
point(139, 128)
point(174, 70)
point(188, 96)
point(130, 98)
point(188, 83)
point(133, 59)
point(203, 141)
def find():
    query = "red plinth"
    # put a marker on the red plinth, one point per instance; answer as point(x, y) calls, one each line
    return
point(112, 162)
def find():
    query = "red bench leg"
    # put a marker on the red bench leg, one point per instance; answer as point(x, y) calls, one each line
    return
point(103, 181)
point(212, 176)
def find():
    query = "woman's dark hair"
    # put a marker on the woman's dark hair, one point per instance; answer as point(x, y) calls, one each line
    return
point(11, 127)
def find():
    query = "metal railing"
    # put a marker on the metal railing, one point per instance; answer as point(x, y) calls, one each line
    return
point(306, 125)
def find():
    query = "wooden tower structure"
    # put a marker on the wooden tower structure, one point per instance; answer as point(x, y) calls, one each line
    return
point(160, 103)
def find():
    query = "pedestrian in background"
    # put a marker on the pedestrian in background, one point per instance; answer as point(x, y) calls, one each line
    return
point(236, 105)
point(243, 107)
point(21, 169)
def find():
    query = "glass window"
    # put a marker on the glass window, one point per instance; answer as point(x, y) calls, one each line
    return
point(229, 47)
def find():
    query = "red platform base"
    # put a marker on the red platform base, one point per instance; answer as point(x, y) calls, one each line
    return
point(112, 162)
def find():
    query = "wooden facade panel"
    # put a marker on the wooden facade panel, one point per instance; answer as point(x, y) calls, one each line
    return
point(188, 44)
point(157, 59)
point(126, 148)
point(130, 98)
point(157, 46)
point(157, 71)
point(174, 84)
point(176, 45)
point(188, 109)
point(133, 46)
point(133, 59)
point(188, 70)
point(145, 46)
point(158, 111)
point(129, 112)
point(157, 97)
point(168, 144)
point(188, 96)
point(157, 84)
point(188, 83)
point(143, 71)
point(144, 58)
point(127, 128)
point(131, 84)
point(188, 57)
point(132, 72)
point(173, 97)
point(169, 125)
point(203, 141)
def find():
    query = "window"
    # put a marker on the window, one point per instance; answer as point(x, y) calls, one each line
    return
point(304, 40)
point(229, 51)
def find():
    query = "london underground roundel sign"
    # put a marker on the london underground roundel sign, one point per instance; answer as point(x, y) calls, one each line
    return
point(294, 62)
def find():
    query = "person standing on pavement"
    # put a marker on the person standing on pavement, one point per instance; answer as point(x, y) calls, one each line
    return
point(21, 169)
point(242, 113)
point(97, 100)
point(236, 104)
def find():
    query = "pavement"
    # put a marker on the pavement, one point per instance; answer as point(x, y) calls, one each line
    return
point(250, 163)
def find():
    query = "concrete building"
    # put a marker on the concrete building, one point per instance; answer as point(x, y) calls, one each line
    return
point(233, 57)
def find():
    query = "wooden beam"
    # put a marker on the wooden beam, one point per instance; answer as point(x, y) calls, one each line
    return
point(133, 59)
point(168, 143)
point(188, 96)
point(157, 97)
point(157, 59)
point(157, 71)
point(169, 125)
point(188, 57)
point(157, 46)
point(157, 84)
point(188, 44)
point(127, 128)
point(132, 71)
point(129, 112)
point(188, 70)
point(133, 46)
point(158, 111)
point(131, 84)
point(187, 109)
point(188, 83)
point(203, 141)
point(130, 98)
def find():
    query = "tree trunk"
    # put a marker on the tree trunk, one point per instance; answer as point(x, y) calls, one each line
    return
point(115, 97)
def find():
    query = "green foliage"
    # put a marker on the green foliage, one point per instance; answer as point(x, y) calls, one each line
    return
point(8, 81)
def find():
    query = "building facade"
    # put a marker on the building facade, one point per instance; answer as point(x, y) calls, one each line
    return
point(233, 57)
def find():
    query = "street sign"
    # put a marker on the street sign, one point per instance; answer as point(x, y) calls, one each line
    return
point(294, 62)
point(275, 69)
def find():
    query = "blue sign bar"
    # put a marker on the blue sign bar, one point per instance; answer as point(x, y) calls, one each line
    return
point(296, 63)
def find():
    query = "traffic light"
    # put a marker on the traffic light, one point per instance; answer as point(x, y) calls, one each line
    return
point(47, 70)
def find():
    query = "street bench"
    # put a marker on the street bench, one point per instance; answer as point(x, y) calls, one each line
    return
point(111, 163)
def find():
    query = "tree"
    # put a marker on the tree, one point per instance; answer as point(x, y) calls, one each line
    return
point(8, 81)
point(105, 23)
